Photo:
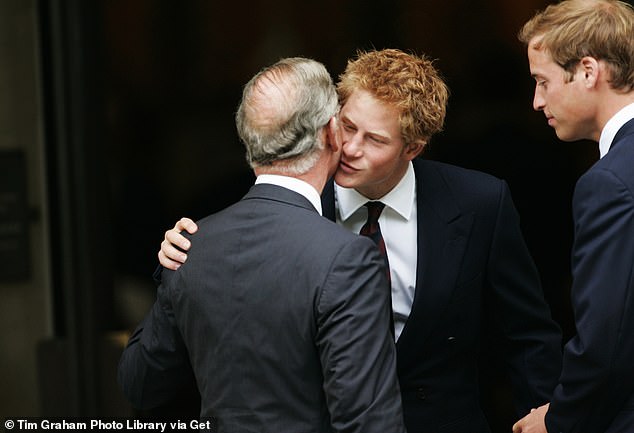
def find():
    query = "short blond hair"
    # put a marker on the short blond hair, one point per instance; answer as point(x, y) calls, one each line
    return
point(573, 29)
point(406, 81)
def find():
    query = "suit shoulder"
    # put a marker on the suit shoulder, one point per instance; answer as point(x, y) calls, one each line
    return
point(460, 181)
point(454, 172)
point(279, 216)
point(618, 162)
point(211, 222)
point(206, 222)
point(336, 232)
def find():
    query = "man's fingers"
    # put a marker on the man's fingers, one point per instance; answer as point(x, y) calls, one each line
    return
point(173, 237)
point(186, 224)
point(167, 263)
point(170, 256)
point(171, 253)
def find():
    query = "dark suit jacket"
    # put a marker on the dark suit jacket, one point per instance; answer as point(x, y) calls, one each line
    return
point(282, 318)
point(473, 266)
point(597, 383)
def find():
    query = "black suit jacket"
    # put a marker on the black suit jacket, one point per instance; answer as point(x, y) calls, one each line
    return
point(596, 391)
point(473, 266)
point(282, 318)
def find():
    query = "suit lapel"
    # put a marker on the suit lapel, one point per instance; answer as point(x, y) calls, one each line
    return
point(443, 231)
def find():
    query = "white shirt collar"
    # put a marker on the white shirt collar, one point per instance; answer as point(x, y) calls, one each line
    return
point(400, 198)
point(612, 127)
point(294, 184)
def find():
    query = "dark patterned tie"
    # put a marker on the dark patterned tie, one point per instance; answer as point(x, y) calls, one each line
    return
point(372, 230)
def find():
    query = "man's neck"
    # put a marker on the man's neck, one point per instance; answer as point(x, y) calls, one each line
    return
point(610, 105)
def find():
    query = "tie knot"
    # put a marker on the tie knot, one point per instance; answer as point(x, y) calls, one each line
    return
point(374, 211)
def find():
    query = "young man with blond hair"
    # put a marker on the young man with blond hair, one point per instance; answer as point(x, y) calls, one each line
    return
point(581, 54)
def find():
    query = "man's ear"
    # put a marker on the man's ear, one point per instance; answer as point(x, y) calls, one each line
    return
point(591, 70)
point(333, 134)
point(415, 148)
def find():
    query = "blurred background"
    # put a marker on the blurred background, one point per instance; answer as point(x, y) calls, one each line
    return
point(116, 119)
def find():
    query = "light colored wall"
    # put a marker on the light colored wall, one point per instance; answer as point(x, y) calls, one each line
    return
point(25, 313)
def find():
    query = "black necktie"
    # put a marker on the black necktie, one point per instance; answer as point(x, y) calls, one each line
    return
point(372, 230)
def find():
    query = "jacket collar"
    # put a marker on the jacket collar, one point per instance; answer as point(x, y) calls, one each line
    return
point(280, 194)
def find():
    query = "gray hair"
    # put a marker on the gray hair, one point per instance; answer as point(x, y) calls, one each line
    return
point(283, 110)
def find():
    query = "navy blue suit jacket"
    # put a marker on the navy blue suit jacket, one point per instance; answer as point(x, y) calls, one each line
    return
point(473, 266)
point(596, 391)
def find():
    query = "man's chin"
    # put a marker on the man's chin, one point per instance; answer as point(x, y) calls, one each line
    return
point(344, 180)
point(566, 137)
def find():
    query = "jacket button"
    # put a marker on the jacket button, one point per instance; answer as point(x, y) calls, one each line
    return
point(420, 394)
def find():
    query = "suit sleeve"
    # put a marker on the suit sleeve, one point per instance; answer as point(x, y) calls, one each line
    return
point(532, 338)
point(598, 362)
point(154, 367)
point(355, 345)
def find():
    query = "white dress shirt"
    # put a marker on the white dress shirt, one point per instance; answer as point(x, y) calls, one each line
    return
point(399, 229)
point(612, 127)
point(294, 184)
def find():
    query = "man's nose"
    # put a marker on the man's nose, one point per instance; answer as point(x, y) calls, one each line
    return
point(538, 101)
point(352, 145)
